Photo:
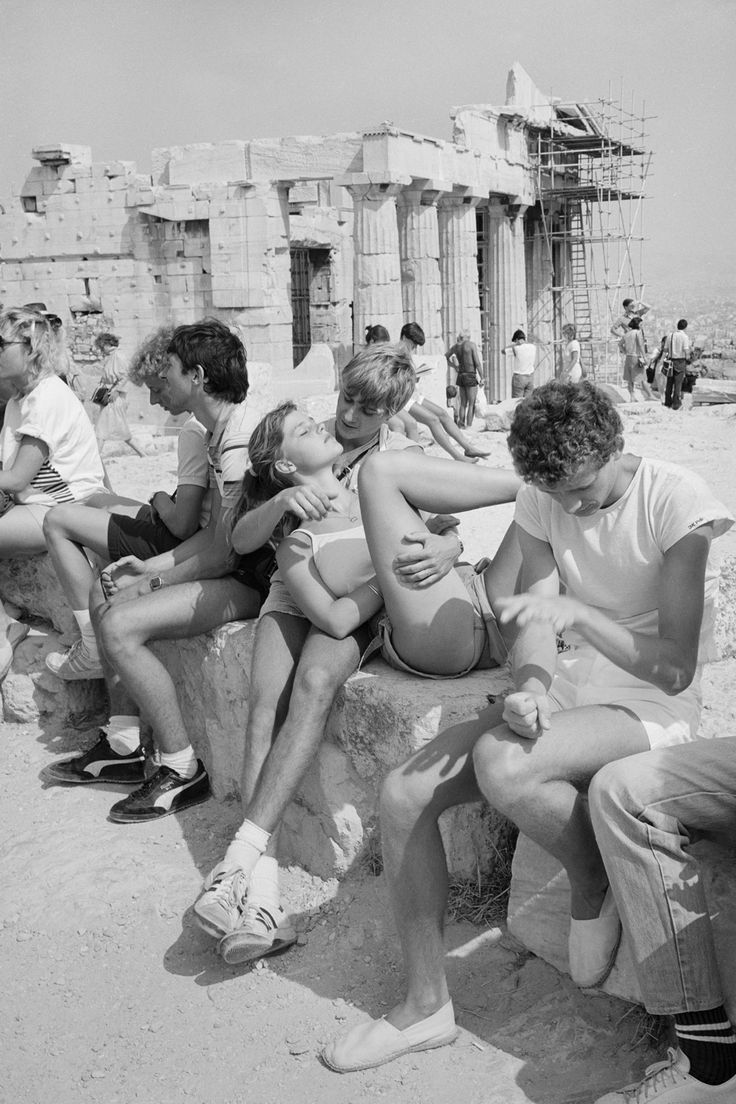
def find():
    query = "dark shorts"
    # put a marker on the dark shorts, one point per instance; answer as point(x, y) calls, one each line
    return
point(255, 569)
point(467, 379)
point(142, 536)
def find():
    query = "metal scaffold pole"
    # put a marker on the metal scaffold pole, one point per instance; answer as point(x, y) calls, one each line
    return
point(591, 166)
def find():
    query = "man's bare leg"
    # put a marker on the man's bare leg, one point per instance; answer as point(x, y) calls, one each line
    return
point(172, 613)
point(413, 796)
point(252, 927)
point(541, 784)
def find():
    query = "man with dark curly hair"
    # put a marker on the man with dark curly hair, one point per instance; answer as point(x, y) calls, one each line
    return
point(616, 556)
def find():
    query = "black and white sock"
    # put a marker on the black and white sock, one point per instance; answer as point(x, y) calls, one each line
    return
point(708, 1040)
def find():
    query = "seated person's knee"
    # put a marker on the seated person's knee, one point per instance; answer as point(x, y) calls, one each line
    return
point(497, 774)
point(55, 521)
point(403, 797)
point(316, 682)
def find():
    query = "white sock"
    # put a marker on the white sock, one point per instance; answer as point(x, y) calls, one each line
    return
point(84, 621)
point(246, 849)
point(123, 734)
point(263, 887)
point(183, 762)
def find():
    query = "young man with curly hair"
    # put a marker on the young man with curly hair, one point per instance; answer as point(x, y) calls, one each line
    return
point(183, 591)
point(616, 556)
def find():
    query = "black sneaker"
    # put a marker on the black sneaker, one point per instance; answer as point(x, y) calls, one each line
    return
point(100, 764)
point(165, 792)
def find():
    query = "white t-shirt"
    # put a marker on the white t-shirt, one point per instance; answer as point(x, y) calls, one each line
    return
point(193, 464)
point(571, 373)
point(52, 413)
point(679, 345)
point(525, 357)
point(613, 559)
point(227, 452)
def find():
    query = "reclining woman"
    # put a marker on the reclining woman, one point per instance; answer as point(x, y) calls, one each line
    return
point(112, 527)
point(48, 451)
point(442, 630)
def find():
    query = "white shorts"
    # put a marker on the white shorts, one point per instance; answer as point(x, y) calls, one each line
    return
point(35, 510)
point(585, 677)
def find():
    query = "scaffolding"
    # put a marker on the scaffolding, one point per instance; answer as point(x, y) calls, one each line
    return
point(591, 167)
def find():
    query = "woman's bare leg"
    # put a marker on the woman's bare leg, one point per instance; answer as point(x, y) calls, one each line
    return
point(433, 627)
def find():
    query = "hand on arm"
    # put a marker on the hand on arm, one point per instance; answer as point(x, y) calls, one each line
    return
point(28, 461)
point(336, 616)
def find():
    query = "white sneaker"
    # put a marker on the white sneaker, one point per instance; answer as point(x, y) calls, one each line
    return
point(260, 932)
point(77, 663)
point(219, 909)
point(669, 1082)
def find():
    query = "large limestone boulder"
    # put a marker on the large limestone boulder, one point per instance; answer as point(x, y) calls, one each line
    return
point(30, 693)
point(539, 914)
point(379, 718)
point(32, 585)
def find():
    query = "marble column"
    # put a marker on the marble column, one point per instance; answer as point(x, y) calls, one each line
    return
point(419, 252)
point(540, 305)
point(459, 267)
point(507, 306)
point(376, 269)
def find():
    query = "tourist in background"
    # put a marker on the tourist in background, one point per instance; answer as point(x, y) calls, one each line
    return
point(634, 351)
point(465, 358)
point(633, 308)
point(679, 355)
point(420, 409)
point(109, 396)
point(525, 361)
point(572, 365)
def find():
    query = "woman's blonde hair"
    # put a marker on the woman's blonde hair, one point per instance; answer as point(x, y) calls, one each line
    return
point(262, 479)
point(35, 331)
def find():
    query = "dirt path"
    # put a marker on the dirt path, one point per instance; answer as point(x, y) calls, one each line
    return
point(111, 994)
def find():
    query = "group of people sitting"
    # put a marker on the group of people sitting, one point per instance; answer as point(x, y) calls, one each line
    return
point(594, 754)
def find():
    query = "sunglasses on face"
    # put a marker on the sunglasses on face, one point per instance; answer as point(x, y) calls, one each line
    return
point(4, 341)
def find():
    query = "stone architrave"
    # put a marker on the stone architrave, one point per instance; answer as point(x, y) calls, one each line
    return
point(377, 272)
point(540, 302)
point(507, 305)
point(459, 266)
point(419, 251)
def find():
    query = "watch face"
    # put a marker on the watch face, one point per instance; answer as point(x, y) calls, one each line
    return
point(156, 583)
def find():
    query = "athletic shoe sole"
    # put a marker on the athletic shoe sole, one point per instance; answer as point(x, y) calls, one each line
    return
point(55, 773)
point(237, 953)
point(122, 817)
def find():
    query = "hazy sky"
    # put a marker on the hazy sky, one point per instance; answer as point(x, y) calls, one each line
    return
point(124, 76)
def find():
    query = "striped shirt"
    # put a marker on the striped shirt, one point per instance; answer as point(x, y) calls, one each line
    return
point(52, 413)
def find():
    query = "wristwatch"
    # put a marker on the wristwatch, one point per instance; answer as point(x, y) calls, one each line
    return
point(155, 582)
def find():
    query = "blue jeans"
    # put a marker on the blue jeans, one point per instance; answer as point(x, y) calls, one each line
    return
point(643, 809)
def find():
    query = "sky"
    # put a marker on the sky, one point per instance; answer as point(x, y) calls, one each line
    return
point(126, 76)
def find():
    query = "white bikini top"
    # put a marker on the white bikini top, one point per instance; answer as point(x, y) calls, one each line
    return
point(341, 558)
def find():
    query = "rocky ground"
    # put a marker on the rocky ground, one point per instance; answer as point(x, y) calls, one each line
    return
point(111, 994)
